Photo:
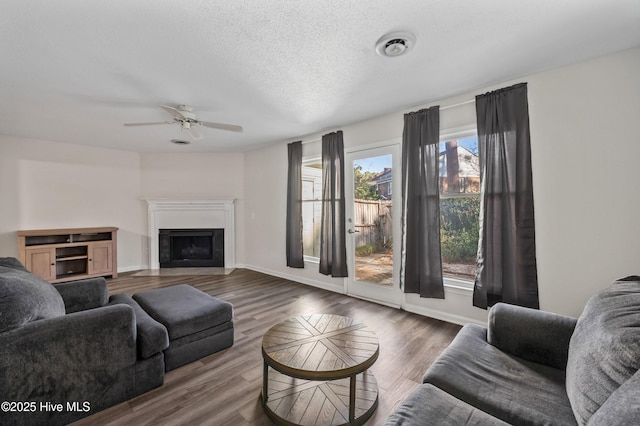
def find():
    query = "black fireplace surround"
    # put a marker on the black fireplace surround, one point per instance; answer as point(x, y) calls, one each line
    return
point(188, 248)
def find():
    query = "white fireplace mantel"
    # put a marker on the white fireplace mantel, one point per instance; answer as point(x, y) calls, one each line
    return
point(167, 213)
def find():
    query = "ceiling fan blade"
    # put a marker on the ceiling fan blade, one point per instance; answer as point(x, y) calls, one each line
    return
point(195, 134)
point(221, 126)
point(174, 111)
point(149, 124)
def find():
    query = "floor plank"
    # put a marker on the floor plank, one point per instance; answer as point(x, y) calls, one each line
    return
point(224, 388)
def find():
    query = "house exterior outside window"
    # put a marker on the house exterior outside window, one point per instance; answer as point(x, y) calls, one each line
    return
point(459, 185)
point(382, 183)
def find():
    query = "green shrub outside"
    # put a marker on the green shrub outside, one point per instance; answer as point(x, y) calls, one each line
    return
point(365, 250)
point(459, 229)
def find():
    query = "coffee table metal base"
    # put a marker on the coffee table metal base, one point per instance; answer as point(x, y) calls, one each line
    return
point(294, 401)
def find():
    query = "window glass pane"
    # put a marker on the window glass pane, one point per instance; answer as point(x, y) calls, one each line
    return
point(459, 207)
point(372, 222)
point(311, 208)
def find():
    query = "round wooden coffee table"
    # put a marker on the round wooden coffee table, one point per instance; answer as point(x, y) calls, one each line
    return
point(320, 376)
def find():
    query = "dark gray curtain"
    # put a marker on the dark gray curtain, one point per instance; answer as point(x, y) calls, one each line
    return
point(333, 252)
point(507, 245)
point(422, 262)
point(294, 206)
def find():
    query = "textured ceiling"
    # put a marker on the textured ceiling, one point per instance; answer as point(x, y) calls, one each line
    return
point(75, 71)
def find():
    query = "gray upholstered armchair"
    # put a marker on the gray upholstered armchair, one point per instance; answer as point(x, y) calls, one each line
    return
point(66, 351)
point(529, 367)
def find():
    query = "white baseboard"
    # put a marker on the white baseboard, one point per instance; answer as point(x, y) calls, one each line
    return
point(443, 316)
point(298, 279)
point(132, 268)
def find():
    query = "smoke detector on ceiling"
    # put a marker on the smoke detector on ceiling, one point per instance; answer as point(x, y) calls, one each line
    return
point(395, 44)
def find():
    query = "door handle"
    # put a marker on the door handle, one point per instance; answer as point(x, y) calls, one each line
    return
point(352, 231)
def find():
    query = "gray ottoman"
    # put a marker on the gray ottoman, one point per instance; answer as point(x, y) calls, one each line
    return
point(198, 324)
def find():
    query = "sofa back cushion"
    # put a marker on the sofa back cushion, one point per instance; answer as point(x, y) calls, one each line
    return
point(604, 351)
point(25, 297)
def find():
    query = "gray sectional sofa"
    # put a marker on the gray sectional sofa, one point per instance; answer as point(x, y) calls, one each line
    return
point(68, 351)
point(67, 344)
point(536, 368)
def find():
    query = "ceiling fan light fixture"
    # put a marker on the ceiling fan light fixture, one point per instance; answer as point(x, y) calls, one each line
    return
point(184, 116)
point(395, 44)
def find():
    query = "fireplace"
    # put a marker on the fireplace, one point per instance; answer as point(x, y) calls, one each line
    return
point(186, 248)
point(192, 214)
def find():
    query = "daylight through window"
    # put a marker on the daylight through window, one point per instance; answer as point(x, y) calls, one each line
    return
point(459, 185)
point(459, 207)
point(311, 208)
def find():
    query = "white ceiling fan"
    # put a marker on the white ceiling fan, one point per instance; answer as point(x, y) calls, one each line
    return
point(183, 115)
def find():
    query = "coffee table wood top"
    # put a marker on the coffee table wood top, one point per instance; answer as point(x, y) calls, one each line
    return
point(320, 347)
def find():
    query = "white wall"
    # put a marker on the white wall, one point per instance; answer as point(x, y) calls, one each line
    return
point(47, 184)
point(54, 185)
point(201, 175)
point(585, 154)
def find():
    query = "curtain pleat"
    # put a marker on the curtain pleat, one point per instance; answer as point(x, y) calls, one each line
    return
point(507, 270)
point(333, 252)
point(421, 269)
point(295, 257)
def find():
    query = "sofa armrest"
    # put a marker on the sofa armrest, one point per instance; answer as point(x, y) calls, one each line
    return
point(67, 355)
point(84, 294)
point(530, 334)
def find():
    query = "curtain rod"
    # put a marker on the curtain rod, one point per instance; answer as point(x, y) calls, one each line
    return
point(421, 106)
point(470, 101)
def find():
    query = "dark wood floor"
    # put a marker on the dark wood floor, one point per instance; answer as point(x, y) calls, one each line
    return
point(224, 388)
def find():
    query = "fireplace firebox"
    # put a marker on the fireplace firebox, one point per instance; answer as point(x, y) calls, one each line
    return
point(187, 248)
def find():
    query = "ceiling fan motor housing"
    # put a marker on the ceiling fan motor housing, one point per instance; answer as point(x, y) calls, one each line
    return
point(187, 113)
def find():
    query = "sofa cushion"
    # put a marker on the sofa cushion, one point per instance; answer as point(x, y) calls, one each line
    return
point(604, 351)
point(152, 337)
point(12, 263)
point(25, 297)
point(184, 310)
point(428, 405)
point(507, 387)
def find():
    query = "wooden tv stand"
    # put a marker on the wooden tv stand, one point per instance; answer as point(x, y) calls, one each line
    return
point(59, 255)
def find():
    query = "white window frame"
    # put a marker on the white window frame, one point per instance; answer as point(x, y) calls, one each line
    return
point(306, 162)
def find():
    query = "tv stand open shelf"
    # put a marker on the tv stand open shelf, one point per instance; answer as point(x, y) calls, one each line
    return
point(59, 255)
